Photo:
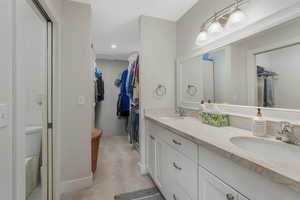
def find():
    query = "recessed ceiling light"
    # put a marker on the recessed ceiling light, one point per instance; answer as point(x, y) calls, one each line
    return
point(113, 46)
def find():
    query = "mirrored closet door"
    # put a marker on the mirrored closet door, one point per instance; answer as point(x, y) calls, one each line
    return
point(34, 99)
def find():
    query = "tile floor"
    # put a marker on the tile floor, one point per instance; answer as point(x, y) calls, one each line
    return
point(117, 172)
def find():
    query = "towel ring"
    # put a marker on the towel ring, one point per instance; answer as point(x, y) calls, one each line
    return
point(192, 90)
point(161, 90)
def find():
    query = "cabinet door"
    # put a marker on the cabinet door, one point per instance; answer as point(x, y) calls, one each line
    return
point(151, 155)
point(158, 161)
point(186, 172)
point(211, 188)
point(166, 174)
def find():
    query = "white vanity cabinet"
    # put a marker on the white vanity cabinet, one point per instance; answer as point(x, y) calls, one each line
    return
point(184, 170)
point(173, 172)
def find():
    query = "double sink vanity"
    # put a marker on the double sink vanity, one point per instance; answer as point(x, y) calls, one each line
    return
point(189, 160)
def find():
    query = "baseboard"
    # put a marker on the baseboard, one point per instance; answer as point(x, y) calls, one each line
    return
point(76, 184)
point(143, 169)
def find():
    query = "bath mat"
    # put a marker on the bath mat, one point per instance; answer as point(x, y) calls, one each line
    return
point(148, 194)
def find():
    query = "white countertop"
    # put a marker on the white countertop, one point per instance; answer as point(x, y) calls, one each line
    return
point(218, 139)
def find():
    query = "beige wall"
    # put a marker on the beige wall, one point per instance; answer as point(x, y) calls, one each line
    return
point(158, 56)
point(76, 120)
point(6, 79)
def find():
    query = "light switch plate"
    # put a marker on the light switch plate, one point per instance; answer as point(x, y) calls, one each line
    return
point(3, 115)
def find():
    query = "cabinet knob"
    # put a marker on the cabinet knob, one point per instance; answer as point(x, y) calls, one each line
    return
point(229, 197)
point(176, 142)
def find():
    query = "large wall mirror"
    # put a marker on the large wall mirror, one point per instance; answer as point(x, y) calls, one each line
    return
point(261, 70)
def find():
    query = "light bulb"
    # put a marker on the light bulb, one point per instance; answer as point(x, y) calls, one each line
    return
point(202, 36)
point(215, 28)
point(236, 18)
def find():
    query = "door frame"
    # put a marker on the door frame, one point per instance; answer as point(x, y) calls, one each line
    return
point(52, 146)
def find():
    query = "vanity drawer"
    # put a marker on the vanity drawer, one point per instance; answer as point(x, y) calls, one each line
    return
point(179, 175)
point(179, 143)
point(178, 194)
point(186, 172)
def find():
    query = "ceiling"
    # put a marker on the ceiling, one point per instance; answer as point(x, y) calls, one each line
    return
point(116, 22)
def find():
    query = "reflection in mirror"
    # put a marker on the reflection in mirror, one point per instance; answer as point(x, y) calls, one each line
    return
point(278, 77)
point(261, 70)
point(197, 80)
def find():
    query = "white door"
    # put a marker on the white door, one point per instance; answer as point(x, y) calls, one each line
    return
point(211, 188)
point(33, 101)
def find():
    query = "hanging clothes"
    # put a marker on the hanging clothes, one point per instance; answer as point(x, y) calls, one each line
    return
point(132, 87)
point(133, 127)
point(133, 80)
point(268, 92)
point(99, 90)
point(123, 100)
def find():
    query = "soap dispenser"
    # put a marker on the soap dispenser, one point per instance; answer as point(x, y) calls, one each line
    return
point(259, 125)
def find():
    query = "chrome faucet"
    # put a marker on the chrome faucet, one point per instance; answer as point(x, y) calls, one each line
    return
point(180, 111)
point(286, 133)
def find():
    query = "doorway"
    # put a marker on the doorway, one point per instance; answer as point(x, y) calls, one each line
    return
point(34, 157)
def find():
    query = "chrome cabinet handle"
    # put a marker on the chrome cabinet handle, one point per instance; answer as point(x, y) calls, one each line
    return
point(229, 197)
point(174, 197)
point(176, 142)
point(153, 138)
point(176, 166)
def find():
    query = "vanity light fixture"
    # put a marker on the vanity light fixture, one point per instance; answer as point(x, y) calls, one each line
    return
point(237, 17)
point(202, 36)
point(230, 16)
point(215, 27)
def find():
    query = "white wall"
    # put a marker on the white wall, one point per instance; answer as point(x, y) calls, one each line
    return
point(6, 80)
point(76, 120)
point(158, 55)
point(189, 25)
point(106, 111)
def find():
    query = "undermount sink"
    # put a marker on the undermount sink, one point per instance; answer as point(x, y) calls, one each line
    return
point(269, 150)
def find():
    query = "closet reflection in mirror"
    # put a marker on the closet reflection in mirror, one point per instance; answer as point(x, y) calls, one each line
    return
point(278, 77)
point(261, 70)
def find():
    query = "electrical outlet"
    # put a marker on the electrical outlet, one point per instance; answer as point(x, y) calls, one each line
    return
point(3, 115)
point(81, 100)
